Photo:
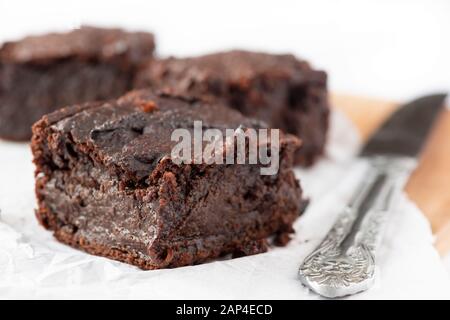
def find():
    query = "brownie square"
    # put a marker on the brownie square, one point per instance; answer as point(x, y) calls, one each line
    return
point(106, 183)
point(42, 73)
point(279, 89)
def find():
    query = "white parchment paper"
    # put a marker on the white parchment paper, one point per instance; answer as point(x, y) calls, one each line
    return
point(34, 265)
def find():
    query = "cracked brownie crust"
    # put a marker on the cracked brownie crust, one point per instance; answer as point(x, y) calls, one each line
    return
point(105, 183)
point(42, 73)
point(279, 89)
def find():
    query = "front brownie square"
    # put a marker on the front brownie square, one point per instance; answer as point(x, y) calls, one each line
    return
point(278, 89)
point(106, 183)
point(42, 73)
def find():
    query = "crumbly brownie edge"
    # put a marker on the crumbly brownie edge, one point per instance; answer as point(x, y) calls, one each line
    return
point(187, 251)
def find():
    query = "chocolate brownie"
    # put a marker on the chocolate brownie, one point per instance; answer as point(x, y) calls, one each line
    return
point(106, 183)
point(279, 89)
point(42, 73)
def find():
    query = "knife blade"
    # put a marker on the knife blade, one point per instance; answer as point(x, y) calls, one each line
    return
point(405, 132)
point(345, 261)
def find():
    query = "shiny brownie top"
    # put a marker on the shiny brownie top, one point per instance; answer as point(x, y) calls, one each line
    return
point(236, 67)
point(134, 132)
point(85, 43)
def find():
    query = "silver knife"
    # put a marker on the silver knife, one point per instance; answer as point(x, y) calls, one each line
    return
point(344, 263)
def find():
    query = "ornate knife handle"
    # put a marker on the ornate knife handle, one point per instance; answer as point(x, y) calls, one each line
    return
point(344, 263)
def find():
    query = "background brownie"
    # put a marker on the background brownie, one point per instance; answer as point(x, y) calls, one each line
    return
point(106, 183)
point(279, 89)
point(42, 73)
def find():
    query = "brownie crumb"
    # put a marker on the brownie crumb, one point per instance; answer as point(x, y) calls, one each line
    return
point(282, 239)
point(148, 106)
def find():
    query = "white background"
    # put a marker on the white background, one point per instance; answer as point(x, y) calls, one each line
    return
point(388, 49)
point(391, 49)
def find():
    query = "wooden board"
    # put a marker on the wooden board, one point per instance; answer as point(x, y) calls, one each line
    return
point(429, 186)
